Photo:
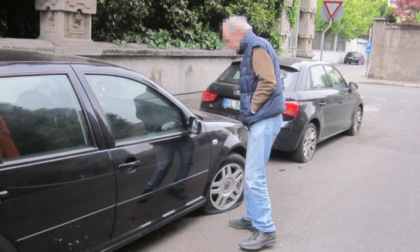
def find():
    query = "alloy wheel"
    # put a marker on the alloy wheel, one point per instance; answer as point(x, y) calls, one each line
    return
point(227, 186)
point(357, 123)
point(309, 143)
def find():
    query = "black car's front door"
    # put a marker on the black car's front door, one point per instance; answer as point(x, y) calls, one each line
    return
point(57, 186)
point(161, 167)
point(325, 99)
point(346, 102)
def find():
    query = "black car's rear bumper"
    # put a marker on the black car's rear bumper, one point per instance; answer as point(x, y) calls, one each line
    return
point(288, 138)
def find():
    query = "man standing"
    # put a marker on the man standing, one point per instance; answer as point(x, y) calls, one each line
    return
point(261, 105)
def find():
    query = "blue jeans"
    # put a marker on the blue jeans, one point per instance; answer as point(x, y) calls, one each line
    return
point(261, 136)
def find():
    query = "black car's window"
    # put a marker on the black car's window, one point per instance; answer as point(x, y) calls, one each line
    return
point(232, 73)
point(289, 77)
point(336, 78)
point(319, 78)
point(40, 115)
point(133, 110)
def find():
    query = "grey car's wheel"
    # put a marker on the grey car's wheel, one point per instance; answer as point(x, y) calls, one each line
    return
point(357, 122)
point(307, 145)
point(226, 186)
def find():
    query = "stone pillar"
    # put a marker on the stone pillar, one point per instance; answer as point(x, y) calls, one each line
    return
point(65, 20)
point(284, 29)
point(306, 28)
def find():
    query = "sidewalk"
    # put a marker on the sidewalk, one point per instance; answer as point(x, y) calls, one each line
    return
point(191, 100)
point(365, 80)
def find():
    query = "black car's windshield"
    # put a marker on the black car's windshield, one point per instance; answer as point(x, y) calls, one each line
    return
point(287, 74)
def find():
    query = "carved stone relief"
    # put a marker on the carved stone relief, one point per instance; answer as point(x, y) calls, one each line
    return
point(86, 6)
point(76, 23)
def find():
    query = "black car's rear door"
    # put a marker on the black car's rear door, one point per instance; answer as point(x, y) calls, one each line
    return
point(57, 183)
point(161, 168)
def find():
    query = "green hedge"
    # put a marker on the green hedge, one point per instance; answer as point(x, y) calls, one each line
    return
point(181, 23)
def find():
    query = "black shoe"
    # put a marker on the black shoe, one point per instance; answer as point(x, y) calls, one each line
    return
point(241, 224)
point(146, 191)
point(259, 240)
point(178, 193)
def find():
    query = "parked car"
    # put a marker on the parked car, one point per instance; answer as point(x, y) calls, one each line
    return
point(94, 156)
point(319, 104)
point(354, 57)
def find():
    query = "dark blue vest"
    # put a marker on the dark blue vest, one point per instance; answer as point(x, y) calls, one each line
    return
point(248, 82)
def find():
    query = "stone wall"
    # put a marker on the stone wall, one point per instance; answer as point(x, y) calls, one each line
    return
point(395, 52)
point(180, 71)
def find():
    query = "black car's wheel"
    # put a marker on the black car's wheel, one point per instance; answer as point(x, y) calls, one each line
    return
point(226, 186)
point(357, 122)
point(307, 145)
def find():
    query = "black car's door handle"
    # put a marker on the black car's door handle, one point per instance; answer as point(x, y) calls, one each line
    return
point(130, 167)
point(3, 195)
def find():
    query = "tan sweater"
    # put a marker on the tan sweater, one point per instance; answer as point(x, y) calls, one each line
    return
point(264, 70)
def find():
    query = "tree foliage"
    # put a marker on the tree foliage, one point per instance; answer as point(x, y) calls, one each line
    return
point(18, 19)
point(357, 18)
point(407, 11)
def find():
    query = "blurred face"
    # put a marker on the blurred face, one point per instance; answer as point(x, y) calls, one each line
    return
point(232, 39)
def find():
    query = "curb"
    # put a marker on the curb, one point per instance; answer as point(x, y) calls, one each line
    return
point(388, 83)
point(364, 80)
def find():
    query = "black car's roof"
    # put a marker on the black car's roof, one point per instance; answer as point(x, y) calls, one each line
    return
point(8, 56)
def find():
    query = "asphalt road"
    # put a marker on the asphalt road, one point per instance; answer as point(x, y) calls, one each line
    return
point(357, 194)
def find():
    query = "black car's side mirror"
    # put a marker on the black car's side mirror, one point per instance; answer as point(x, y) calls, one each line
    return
point(194, 125)
point(353, 86)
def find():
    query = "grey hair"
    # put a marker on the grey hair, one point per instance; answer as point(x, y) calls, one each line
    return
point(237, 22)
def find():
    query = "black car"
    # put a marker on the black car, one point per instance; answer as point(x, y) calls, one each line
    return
point(94, 156)
point(319, 104)
point(354, 57)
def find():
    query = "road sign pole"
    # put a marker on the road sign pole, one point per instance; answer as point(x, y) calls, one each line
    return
point(322, 38)
point(331, 11)
point(368, 55)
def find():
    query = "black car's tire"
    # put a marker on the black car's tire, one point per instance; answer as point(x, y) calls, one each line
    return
point(357, 122)
point(226, 190)
point(307, 146)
